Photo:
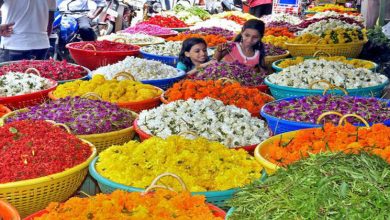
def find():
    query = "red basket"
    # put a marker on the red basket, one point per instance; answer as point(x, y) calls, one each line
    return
point(217, 212)
point(94, 59)
point(8, 212)
point(27, 100)
point(143, 136)
point(165, 36)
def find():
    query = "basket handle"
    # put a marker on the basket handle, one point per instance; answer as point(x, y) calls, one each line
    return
point(330, 85)
point(122, 39)
point(327, 113)
point(320, 52)
point(188, 132)
point(60, 125)
point(126, 75)
point(92, 94)
point(342, 119)
point(154, 185)
point(336, 87)
point(227, 80)
point(9, 114)
point(34, 70)
point(89, 45)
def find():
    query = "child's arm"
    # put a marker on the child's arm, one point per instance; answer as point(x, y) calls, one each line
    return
point(221, 52)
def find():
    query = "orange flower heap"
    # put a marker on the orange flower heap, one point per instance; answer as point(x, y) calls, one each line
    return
point(229, 93)
point(347, 138)
point(279, 32)
point(163, 205)
point(212, 40)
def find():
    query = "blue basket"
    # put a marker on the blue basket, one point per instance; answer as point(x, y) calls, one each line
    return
point(281, 92)
point(107, 186)
point(169, 60)
point(275, 65)
point(166, 83)
point(279, 125)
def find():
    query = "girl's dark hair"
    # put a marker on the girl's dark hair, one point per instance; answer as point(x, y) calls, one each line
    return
point(186, 47)
point(260, 27)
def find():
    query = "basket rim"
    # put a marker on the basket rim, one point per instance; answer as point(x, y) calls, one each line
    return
point(54, 85)
point(121, 53)
point(139, 131)
point(181, 74)
point(101, 179)
point(278, 56)
point(66, 172)
point(86, 136)
point(155, 55)
point(278, 68)
point(266, 115)
point(288, 88)
point(329, 45)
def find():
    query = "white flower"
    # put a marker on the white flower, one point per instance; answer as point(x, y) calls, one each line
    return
point(218, 22)
point(208, 118)
point(170, 48)
point(337, 73)
point(15, 83)
point(325, 14)
point(141, 69)
point(281, 17)
point(322, 26)
point(135, 39)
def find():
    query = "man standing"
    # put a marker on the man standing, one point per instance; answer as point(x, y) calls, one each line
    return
point(259, 8)
point(84, 21)
point(33, 23)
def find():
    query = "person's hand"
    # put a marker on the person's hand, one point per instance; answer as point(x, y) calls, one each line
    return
point(7, 29)
point(203, 65)
point(224, 47)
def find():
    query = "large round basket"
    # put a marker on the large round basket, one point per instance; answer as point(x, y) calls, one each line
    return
point(270, 59)
point(281, 92)
point(279, 125)
point(348, 49)
point(275, 65)
point(137, 106)
point(100, 141)
point(29, 196)
point(143, 136)
point(26, 100)
point(8, 212)
point(216, 211)
point(93, 59)
point(87, 71)
point(169, 60)
point(107, 186)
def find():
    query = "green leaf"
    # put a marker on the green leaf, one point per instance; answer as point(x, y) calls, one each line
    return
point(13, 130)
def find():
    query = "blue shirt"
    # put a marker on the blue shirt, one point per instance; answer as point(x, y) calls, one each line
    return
point(182, 66)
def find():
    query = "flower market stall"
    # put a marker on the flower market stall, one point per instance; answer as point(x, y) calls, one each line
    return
point(123, 132)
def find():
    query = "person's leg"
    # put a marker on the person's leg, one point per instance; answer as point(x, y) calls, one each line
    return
point(38, 54)
point(267, 9)
point(255, 11)
point(14, 55)
point(4, 55)
point(85, 29)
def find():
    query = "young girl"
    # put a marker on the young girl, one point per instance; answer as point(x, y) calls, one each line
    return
point(193, 55)
point(247, 47)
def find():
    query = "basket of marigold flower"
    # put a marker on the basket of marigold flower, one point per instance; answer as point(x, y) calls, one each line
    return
point(51, 164)
point(127, 93)
point(157, 202)
point(208, 168)
point(102, 123)
point(284, 149)
point(228, 91)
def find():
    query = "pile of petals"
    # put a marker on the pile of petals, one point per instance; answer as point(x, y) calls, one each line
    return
point(347, 138)
point(307, 23)
point(201, 164)
point(82, 116)
point(169, 21)
point(32, 149)
point(237, 19)
point(271, 50)
point(150, 29)
point(213, 31)
point(105, 45)
point(212, 40)
point(235, 71)
point(290, 27)
point(135, 39)
point(51, 69)
point(15, 83)
point(218, 22)
point(161, 204)
point(330, 7)
point(309, 108)
point(281, 17)
point(229, 93)
point(278, 32)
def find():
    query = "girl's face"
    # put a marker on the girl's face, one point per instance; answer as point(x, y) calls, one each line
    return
point(198, 53)
point(250, 37)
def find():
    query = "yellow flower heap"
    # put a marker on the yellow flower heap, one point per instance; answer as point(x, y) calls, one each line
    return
point(336, 36)
point(203, 165)
point(110, 90)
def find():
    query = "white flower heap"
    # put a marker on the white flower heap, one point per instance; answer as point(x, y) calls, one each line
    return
point(337, 73)
point(170, 48)
point(141, 69)
point(208, 118)
point(15, 83)
point(135, 39)
point(321, 27)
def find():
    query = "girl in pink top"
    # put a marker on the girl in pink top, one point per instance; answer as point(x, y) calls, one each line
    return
point(246, 48)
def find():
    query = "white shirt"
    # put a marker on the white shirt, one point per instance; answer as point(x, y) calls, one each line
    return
point(79, 4)
point(31, 18)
